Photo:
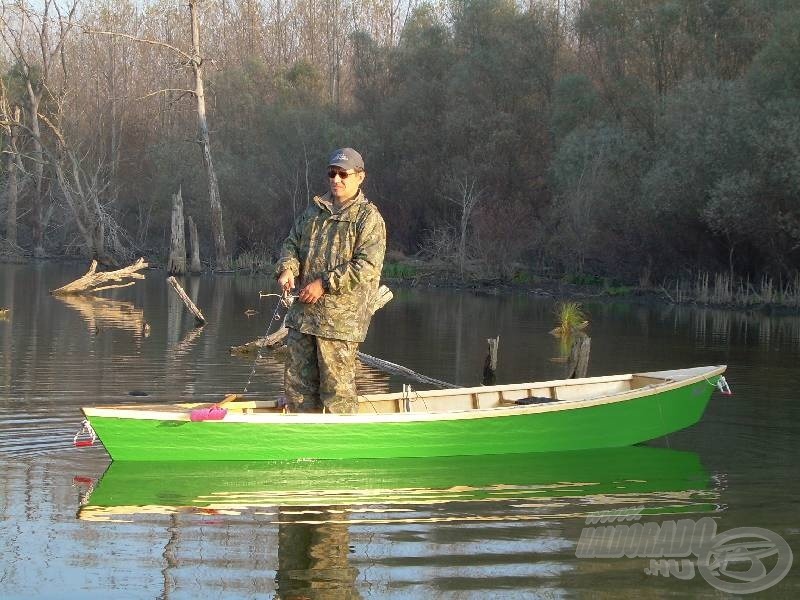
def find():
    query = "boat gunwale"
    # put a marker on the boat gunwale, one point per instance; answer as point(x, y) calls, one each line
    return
point(169, 413)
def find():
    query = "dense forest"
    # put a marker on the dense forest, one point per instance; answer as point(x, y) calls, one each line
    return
point(631, 139)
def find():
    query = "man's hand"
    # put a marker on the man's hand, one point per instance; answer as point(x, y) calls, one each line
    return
point(312, 292)
point(286, 280)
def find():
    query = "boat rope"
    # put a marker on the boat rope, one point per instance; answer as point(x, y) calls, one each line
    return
point(407, 399)
point(409, 390)
point(284, 299)
point(395, 369)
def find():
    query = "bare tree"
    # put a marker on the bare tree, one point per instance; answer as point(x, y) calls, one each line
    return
point(36, 63)
point(215, 204)
point(194, 60)
point(9, 120)
point(465, 194)
point(85, 188)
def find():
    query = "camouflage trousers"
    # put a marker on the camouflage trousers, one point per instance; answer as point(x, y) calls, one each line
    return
point(320, 372)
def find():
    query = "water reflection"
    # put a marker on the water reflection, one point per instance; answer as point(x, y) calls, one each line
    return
point(314, 554)
point(485, 527)
point(101, 313)
point(666, 478)
point(728, 327)
point(336, 528)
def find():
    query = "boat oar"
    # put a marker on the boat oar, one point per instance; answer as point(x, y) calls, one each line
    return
point(215, 412)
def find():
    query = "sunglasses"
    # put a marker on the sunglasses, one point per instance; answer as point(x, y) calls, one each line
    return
point(332, 173)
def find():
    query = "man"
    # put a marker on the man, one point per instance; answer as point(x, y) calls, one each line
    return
point(334, 254)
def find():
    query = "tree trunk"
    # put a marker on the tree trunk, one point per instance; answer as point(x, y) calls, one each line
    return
point(99, 242)
point(13, 183)
point(222, 258)
point(37, 208)
point(194, 245)
point(198, 315)
point(11, 212)
point(177, 245)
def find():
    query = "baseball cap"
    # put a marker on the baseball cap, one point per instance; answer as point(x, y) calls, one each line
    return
point(347, 158)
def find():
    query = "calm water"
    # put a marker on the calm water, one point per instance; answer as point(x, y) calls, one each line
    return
point(492, 527)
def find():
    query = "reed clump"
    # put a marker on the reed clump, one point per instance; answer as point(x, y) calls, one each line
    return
point(253, 261)
point(570, 318)
point(722, 289)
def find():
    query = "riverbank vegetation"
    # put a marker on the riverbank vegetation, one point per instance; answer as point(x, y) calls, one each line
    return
point(639, 144)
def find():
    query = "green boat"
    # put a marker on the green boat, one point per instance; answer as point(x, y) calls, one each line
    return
point(658, 479)
point(549, 416)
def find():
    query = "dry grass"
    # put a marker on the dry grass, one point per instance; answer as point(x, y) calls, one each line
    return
point(723, 290)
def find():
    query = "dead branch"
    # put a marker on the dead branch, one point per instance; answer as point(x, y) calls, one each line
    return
point(183, 54)
point(274, 340)
point(95, 282)
point(165, 90)
point(201, 320)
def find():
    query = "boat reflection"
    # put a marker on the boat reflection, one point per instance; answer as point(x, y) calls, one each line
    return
point(661, 478)
point(323, 511)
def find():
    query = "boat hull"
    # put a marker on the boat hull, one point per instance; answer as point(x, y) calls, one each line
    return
point(514, 431)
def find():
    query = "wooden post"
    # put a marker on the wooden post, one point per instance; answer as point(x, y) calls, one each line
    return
point(201, 320)
point(578, 362)
point(194, 248)
point(490, 364)
point(177, 244)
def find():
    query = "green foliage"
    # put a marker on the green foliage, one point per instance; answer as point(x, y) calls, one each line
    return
point(610, 288)
point(396, 270)
point(583, 279)
point(775, 71)
point(570, 317)
point(525, 278)
point(575, 103)
point(617, 138)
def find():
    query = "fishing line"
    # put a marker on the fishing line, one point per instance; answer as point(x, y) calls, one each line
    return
point(284, 299)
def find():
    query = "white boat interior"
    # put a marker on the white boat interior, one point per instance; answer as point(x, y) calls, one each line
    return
point(482, 398)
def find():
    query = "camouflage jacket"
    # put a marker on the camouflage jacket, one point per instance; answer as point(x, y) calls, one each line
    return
point(345, 250)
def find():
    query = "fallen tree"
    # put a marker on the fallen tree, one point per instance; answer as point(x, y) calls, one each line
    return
point(276, 341)
point(96, 281)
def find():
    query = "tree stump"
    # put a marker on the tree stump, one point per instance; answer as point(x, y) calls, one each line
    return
point(578, 362)
point(490, 364)
point(176, 265)
point(194, 246)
